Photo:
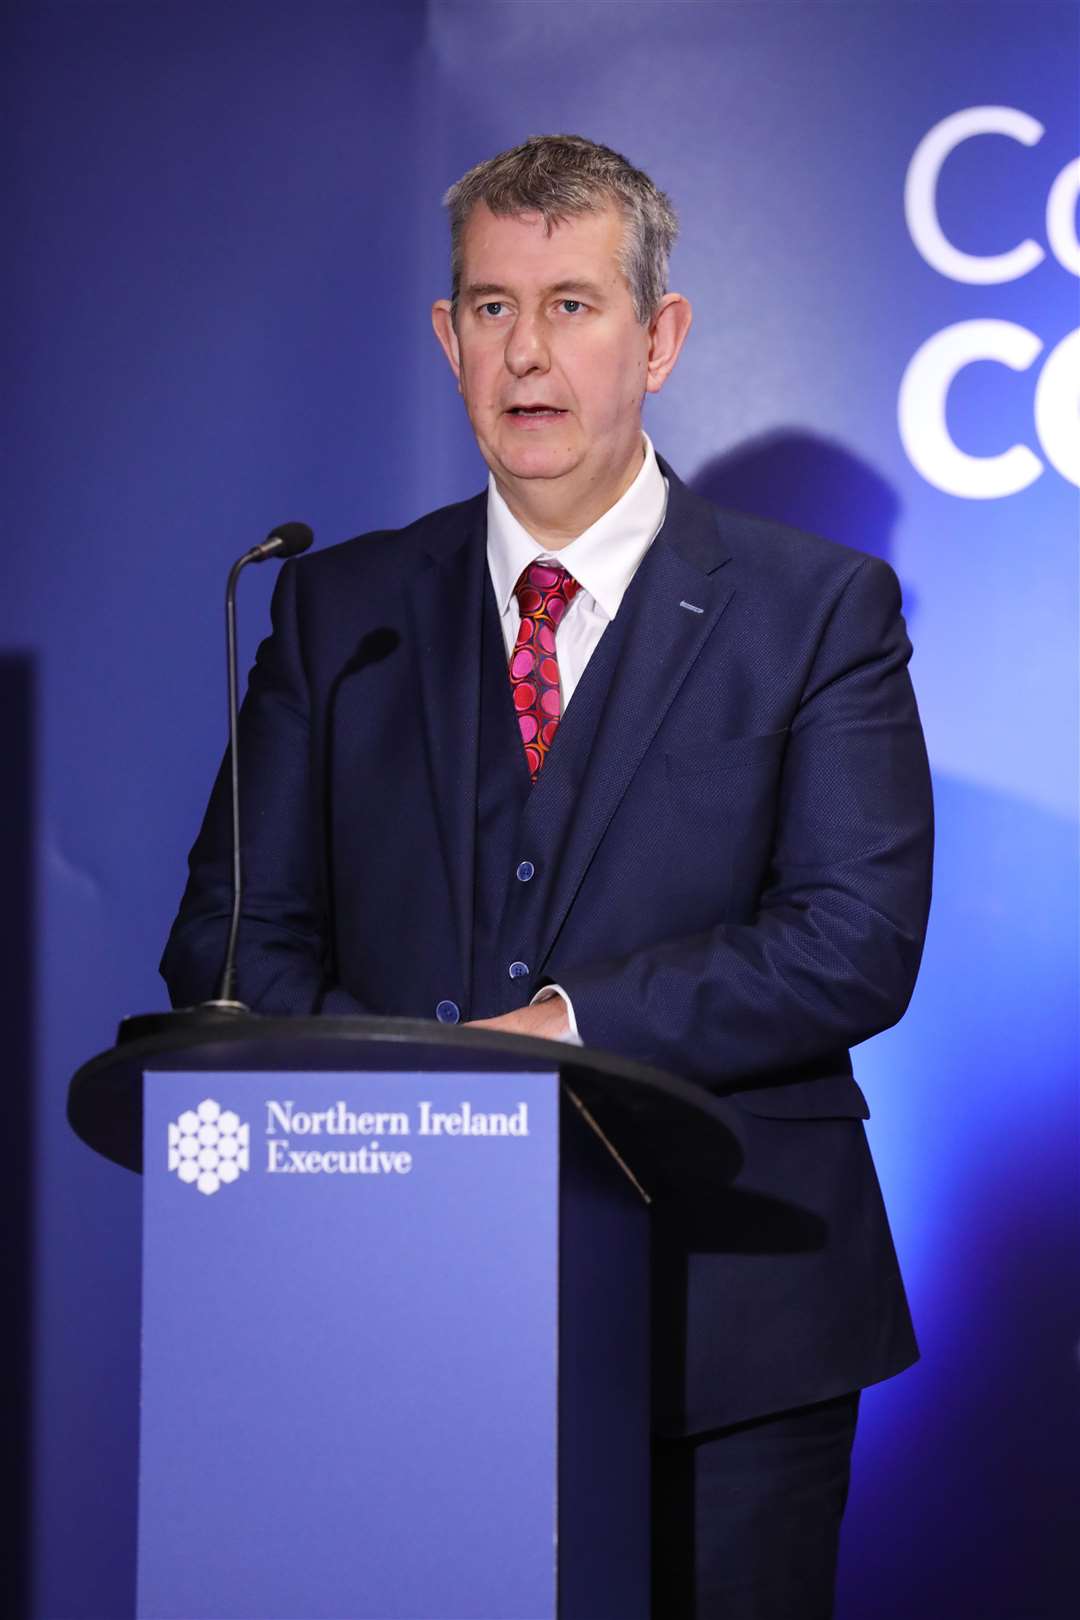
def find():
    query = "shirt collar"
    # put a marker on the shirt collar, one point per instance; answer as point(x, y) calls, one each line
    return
point(603, 560)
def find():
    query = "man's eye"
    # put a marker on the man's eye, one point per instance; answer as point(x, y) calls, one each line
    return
point(495, 308)
point(572, 305)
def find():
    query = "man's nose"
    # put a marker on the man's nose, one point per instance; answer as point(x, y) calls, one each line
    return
point(526, 346)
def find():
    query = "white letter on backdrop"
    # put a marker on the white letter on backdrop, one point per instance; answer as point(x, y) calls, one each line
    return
point(924, 391)
point(920, 196)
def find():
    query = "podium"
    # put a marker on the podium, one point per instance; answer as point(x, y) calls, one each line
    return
point(395, 1316)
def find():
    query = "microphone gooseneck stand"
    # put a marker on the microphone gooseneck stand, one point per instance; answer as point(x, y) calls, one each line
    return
point(287, 540)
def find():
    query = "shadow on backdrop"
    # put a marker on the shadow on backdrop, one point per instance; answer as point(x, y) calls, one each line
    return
point(17, 868)
point(794, 477)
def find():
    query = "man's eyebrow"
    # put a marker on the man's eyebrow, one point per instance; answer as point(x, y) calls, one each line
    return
point(562, 289)
point(588, 289)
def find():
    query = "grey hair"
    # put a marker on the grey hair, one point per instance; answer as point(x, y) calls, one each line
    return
point(560, 177)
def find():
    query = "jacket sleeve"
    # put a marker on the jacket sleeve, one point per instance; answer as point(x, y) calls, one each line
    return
point(831, 955)
point(282, 960)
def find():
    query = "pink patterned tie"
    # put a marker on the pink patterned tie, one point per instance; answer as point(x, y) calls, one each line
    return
point(544, 592)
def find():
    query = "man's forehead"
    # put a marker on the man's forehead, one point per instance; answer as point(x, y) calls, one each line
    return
point(577, 247)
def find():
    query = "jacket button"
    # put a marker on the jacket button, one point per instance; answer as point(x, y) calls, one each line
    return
point(519, 970)
point(525, 871)
point(448, 1012)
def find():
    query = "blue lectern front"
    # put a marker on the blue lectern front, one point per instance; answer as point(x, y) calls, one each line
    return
point(394, 1316)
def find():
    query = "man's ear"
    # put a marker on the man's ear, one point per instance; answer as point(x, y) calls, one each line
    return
point(667, 334)
point(442, 321)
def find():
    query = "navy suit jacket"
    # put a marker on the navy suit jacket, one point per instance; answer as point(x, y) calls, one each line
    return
point(731, 842)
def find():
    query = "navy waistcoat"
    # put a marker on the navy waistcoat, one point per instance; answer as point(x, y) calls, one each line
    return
point(521, 829)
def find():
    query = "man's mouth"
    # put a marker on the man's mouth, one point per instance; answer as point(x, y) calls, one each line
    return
point(535, 410)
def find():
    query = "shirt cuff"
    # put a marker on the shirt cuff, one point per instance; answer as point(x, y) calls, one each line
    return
point(570, 1036)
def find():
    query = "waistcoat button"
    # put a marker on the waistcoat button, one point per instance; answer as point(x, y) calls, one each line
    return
point(448, 1012)
point(519, 970)
point(525, 871)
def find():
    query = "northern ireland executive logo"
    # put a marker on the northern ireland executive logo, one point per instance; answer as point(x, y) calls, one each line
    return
point(208, 1146)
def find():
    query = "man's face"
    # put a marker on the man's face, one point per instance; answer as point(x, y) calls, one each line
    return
point(549, 355)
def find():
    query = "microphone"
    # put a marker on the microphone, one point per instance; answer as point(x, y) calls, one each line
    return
point(287, 540)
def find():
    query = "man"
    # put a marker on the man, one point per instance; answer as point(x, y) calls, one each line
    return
point(584, 758)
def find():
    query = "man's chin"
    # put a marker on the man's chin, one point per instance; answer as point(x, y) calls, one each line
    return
point(535, 463)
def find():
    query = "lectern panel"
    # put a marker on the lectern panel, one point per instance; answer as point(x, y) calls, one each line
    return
point(350, 1324)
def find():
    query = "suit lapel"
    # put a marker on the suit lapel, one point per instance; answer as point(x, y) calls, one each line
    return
point(671, 609)
point(446, 601)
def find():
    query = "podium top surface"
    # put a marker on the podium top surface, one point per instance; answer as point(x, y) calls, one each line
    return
point(653, 1119)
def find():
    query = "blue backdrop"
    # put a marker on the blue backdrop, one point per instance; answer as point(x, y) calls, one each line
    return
point(226, 236)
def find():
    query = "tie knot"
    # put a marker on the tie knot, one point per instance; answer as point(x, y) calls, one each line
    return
point(544, 591)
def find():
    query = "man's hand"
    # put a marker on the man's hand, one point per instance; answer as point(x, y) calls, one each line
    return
point(545, 1020)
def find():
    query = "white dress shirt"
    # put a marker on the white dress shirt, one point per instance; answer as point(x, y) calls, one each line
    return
point(603, 560)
